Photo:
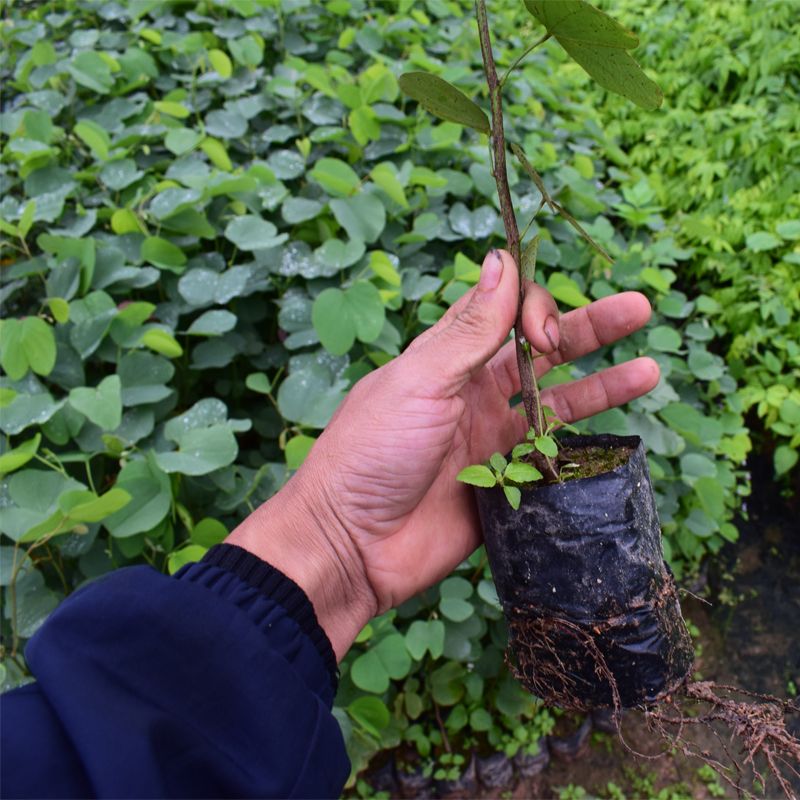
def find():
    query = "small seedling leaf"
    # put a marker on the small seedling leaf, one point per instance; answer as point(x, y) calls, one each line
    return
point(547, 446)
point(513, 495)
point(477, 475)
point(521, 450)
point(498, 462)
point(443, 100)
point(522, 473)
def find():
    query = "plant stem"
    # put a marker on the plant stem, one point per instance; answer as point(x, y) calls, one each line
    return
point(530, 391)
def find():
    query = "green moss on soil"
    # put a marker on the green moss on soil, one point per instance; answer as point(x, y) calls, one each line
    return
point(591, 461)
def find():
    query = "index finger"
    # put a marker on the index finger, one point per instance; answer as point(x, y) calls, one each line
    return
point(581, 331)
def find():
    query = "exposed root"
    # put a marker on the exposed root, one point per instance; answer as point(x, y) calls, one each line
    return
point(563, 663)
point(756, 727)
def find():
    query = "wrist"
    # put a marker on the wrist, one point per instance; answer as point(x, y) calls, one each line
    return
point(296, 533)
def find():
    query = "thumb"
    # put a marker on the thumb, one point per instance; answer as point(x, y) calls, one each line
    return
point(462, 343)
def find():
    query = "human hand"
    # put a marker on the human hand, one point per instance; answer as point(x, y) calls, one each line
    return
point(375, 513)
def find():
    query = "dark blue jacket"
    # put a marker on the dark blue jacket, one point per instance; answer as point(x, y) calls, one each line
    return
point(217, 682)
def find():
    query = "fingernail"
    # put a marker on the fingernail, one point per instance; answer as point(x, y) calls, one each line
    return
point(491, 271)
point(551, 332)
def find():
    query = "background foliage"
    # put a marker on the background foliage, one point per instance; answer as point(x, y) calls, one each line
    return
point(217, 216)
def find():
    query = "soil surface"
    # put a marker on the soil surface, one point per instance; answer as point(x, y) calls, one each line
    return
point(591, 461)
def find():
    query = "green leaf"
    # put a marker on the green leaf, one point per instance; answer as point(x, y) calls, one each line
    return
point(522, 473)
point(369, 674)
point(310, 396)
point(163, 254)
point(370, 713)
point(665, 339)
point(425, 636)
point(181, 140)
point(599, 45)
point(26, 220)
point(335, 176)
point(253, 233)
point(186, 555)
point(59, 308)
point(456, 586)
point(94, 137)
point(711, 496)
point(171, 201)
point(102, 405)
point(90, 70)
point(382, 266)
point(456, 609)
point(498, 462)
point(789, 229)
point(220, 63)
point(162, 342)
point(564, 289)
point(217, 154)
point(202, 450)
point(337, 255)
point(258, 382)
point(447, 683)
point(513, 495)
point(247, 50)
point(26, 344)
point(151, 498)
point(761, 241)
point(547, 446)
point(209, 532)
point(385, 176)
point(784, 459)
point(300, 209)
point(477, 475)
point(171, 109)
point(362, 216)
point(480, 720)
point(341, 317)
point(14, 459)
point(443, 100)
point(297, 449)
point(522, 450)
point(213, 323)
point(82, 506)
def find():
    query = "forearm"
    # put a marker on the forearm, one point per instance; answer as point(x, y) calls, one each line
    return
point(297, 532)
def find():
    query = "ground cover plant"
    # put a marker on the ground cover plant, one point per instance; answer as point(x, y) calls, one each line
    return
point(213, 225)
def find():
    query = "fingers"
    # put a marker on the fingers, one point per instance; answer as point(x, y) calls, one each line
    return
point(540, 319)
point(581, 331)
point(603, 390)
point(464, 340)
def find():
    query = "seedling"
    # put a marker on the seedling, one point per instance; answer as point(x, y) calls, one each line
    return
point(600, 45)
point(566, 647)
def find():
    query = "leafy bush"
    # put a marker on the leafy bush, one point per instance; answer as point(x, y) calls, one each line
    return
point(218, 216)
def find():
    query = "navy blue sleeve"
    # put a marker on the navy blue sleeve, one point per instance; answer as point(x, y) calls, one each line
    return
point(217, 682)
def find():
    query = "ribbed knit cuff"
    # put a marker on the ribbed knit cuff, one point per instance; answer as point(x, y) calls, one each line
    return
point(280, 589)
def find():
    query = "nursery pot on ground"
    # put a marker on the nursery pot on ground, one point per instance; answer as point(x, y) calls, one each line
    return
point(592, 609)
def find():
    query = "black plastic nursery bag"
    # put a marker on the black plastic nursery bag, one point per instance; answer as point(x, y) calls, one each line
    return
point(591, 605)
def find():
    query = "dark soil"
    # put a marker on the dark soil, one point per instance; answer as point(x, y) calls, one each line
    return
point(591, 461)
